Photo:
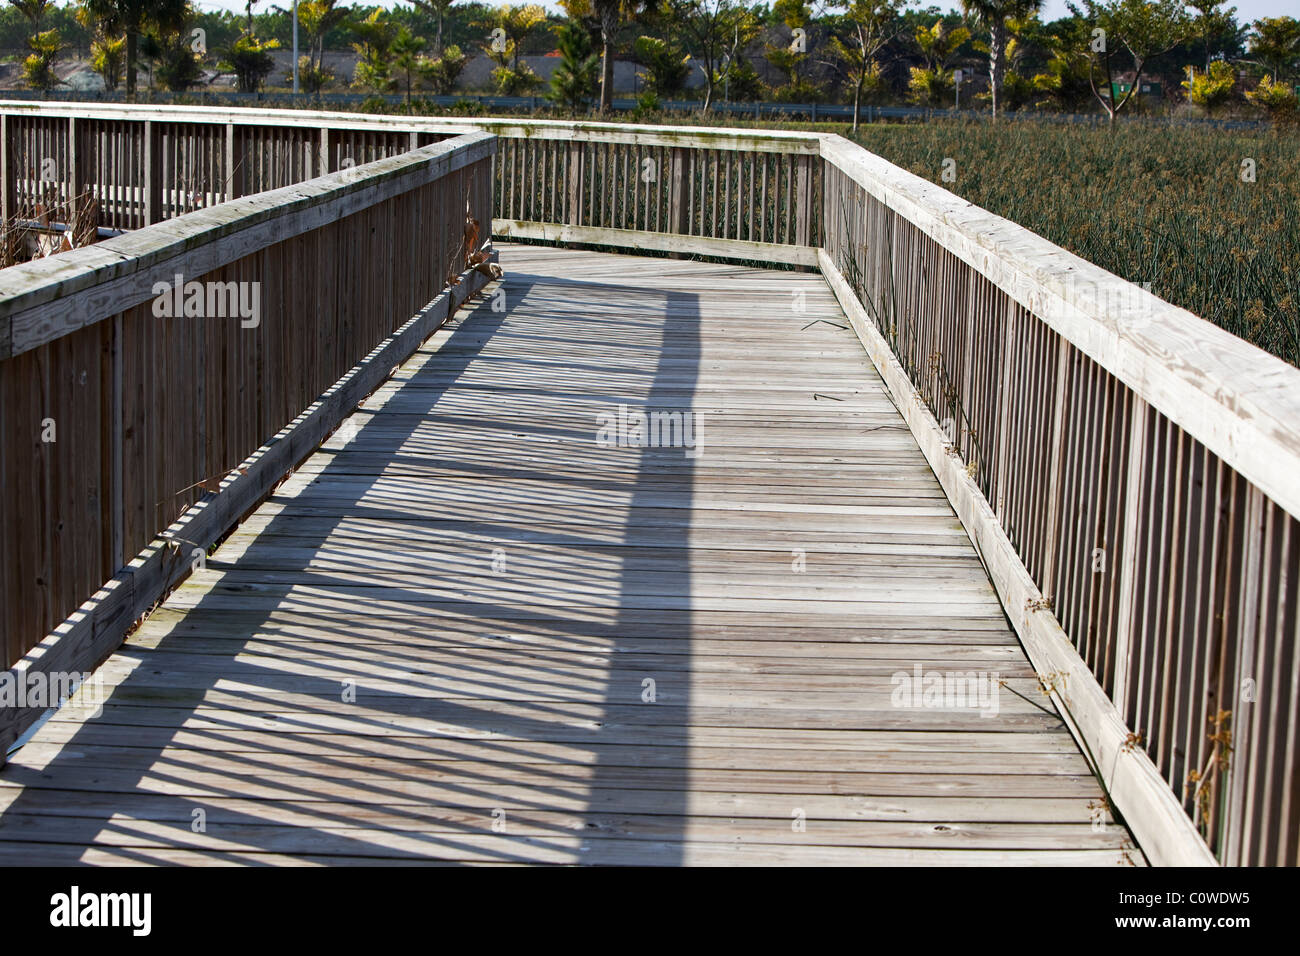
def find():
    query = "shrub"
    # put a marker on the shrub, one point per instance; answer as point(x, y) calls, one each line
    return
point(1211, 90)
point(1277, 99)
point(575, 79)
point(927, 87)
point(108, 59)
point(38, 68)
point(250, 60)
point(519, 81)
point(667, 66)
point(444, 71)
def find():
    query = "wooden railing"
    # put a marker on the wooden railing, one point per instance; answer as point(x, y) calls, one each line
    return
point(751, 195)
point(140, 422)
point(146, 165)
point(1125, 469)
point(722, 193)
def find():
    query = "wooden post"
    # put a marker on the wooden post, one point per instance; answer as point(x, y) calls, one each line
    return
point(966, 389)
point(153, 185)
point(573, 210)
point(1240, 841)
point(803, 194)
point(1054, 478)
point(677, 192)
point(236, 157)
point(117, 473)
point(1126, 613)
point(323, 159)
point(8, 170)
point(1005, 398)
point(485, 215)
point(77, 179)
point(802, 199)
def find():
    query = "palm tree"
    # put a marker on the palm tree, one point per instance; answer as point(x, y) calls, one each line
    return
point(317, 18)
point(993, 15)
point(608, 16)
point(574, 80)
point(438, 10)
point(609, 13)
point(511, 27)
point(131, 17)
point(405, 50)
point(938, 44)
point(33, 11)
point(1275, 45)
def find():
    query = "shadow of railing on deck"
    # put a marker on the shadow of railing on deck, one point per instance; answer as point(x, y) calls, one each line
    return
point(455, 692)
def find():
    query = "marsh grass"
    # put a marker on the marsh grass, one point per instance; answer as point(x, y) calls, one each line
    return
point(1152, 203)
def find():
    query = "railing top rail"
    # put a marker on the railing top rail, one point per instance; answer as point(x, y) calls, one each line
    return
point(696, 137)
point(47, 298)
point(246, 116)
point(1238, 400)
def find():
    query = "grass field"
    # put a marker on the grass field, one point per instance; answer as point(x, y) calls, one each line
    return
point(1151, 203)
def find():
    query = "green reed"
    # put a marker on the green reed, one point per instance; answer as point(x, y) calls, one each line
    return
point(1152, 203)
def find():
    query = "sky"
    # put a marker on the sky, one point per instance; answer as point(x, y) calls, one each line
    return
point(1247, 10)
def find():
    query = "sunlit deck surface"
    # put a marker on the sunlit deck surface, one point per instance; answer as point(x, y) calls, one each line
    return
point(436, 640)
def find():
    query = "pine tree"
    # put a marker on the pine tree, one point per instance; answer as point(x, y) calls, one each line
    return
point(574, 81)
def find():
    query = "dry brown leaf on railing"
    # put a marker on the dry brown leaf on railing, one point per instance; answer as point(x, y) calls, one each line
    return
point(476, 257)
point(480, 261)
point(83, 223)
point(471, 233)
point(487, 268)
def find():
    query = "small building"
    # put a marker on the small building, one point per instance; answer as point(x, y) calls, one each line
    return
point(1149, 88)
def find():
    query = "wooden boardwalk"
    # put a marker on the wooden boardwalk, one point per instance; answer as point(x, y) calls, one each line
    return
point(467, 630)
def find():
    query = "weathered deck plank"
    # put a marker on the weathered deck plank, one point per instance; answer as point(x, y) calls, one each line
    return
point(497, 588)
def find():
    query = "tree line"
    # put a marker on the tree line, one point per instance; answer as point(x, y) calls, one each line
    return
point(999, 53)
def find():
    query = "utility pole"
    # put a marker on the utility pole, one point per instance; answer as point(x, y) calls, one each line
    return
point(956, 85)
point(295, 47)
